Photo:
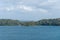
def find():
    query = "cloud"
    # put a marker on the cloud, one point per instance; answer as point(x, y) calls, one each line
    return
point(52, 0)
point(48, 3)
point(43, 10)
point(20, 5)
point(26, 8)
point(7, 8)
point(17, 7)
point(56, 5)
point(29, 9)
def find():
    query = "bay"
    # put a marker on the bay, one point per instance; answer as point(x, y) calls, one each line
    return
point(29, 32)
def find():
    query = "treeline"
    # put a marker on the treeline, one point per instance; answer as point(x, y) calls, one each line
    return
point(9, 22)
point(44, 22)
point(49, 22)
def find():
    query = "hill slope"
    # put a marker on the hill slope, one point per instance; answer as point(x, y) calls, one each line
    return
point(49, 22)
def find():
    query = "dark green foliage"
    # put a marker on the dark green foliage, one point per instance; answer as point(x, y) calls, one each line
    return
point(8, 22)
point(53, 22)
point(44, 22)
point(49, 22)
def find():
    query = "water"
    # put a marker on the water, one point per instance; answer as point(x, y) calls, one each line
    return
point(30, 33)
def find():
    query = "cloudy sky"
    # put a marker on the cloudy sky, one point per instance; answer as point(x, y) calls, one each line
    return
point(29, 9)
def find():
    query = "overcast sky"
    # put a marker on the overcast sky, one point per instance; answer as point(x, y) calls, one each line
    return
point(29, 9)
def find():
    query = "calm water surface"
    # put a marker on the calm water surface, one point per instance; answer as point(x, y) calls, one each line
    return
point(30, 33)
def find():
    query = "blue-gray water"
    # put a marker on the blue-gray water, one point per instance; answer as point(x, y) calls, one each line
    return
point(30, 33)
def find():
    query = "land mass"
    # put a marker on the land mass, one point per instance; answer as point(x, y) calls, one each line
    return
point(44, 22)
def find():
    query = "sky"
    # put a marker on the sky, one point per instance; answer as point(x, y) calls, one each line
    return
point(28, 10)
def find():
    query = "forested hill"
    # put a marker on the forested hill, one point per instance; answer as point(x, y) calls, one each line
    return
point(44, 22)
point(49, 22)
point(9, 22)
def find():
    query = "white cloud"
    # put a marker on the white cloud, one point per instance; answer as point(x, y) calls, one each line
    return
point(26, 8)
point(56, 5)
point(48, 2)
point(17, 7)
point(43, 3)
point(20, 2)
point(43, 10)
point(12, 8)
point(9, 8)
point(52, 0)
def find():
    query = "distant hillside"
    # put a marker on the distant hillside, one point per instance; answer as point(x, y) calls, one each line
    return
point(9, 22)
point(53, 22)
point(49, 22)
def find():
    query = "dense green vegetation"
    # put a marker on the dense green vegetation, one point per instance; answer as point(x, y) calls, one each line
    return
point(53, 22)
point(49, 22)
point(9, 22)
point(44, 22)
